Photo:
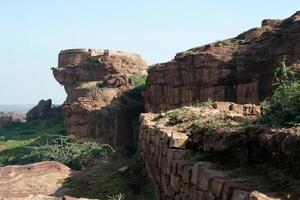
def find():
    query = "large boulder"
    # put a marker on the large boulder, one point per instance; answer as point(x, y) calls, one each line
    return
point(239, 69)
point(96, 82)
point(44, 178)
point(40, 110)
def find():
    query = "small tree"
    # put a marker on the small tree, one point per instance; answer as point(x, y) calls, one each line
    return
point(284, 106)
point(283, 72)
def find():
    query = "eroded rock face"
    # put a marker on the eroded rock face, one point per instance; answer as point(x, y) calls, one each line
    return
point(40, 110)
point(22, 181)
point(239, 70)
point(96, 82)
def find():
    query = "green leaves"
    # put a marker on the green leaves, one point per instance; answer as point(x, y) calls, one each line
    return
point(284, 106)
point(70, 151)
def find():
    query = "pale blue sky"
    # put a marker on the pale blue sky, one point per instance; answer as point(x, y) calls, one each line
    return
point(33, 32)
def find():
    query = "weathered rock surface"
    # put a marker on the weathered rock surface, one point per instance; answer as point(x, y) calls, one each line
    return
point(96, 82)
point(23, 181)
point(239, 70)
point(40, 110)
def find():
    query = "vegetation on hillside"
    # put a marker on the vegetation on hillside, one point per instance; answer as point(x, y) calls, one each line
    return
point(283, 108)
point(44, 139)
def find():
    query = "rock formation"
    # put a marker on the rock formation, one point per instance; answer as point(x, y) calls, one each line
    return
point(239, 70)
point(45, 178)
point(97, 83)
point(40, 110)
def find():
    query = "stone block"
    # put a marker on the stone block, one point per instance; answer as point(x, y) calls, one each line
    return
point(224, 106)
point(164, 182)
point(230, 185)
point(209, 195)
point(200, 195)
point(237, 108)
point(240, 195)
point(178, 140)
point(174, 154)
point(174, 182)
point(256, 110)
point(183, 163)
point(207, 176)
point(187, 174)
point(192, 193)
point(217, 186)
point(255, 195)
point(196, 171)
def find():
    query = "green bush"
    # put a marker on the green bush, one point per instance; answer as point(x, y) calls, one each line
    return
point(69, 151)
point(139, 80)
point(283, 108)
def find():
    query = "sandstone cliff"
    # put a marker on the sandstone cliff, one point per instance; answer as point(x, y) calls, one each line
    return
point(240, 69)
point(97, 83)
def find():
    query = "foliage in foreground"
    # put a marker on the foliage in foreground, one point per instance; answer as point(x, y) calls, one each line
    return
point(44, 139)
point(70, 151)
point(283, 108)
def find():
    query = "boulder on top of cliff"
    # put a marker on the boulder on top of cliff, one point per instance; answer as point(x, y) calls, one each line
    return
point(239, 69)
point(76, 66)
point(40, 110)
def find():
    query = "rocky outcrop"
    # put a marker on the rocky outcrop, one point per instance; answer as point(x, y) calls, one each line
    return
point(40, 110)
point(97, 83)
point(208, 152)
point(239, 70)
point(22, 181)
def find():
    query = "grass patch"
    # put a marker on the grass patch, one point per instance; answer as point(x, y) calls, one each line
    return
point(18, 137)
point(105, 182)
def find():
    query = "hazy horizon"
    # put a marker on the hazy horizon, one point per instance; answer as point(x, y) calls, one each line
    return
point(33, 33)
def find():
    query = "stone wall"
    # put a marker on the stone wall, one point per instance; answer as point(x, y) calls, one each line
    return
point(176, 175)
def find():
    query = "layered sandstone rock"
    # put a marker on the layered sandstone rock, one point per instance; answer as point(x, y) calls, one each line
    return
point(97, 83)
point(204, 152)
point(240, 69)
